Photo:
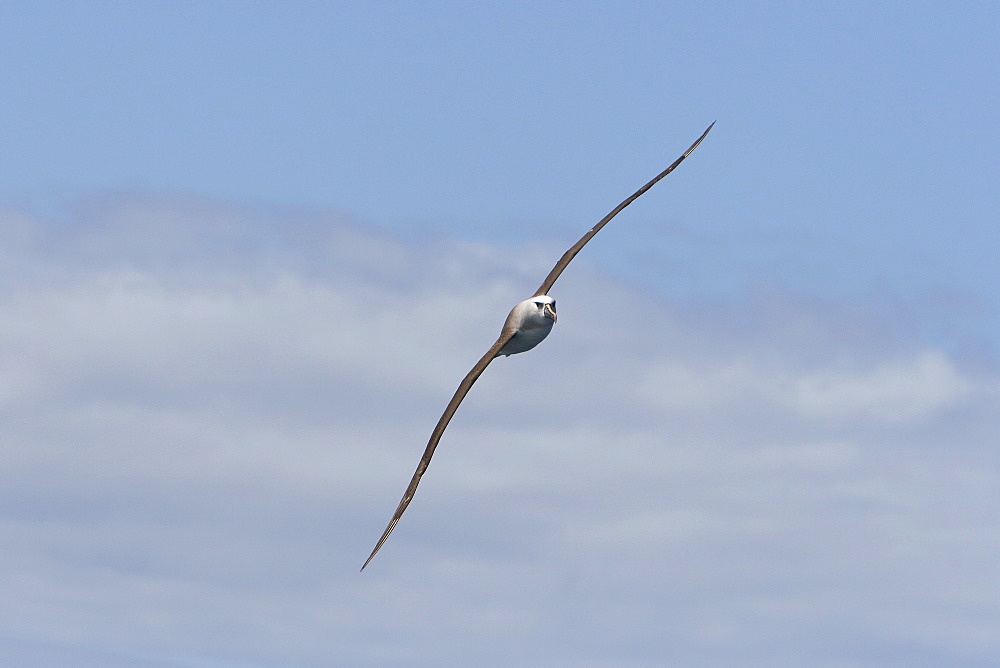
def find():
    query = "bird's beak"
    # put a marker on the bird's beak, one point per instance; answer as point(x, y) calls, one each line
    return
point(550, 312)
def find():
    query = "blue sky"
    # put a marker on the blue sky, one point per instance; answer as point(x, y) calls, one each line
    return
point(853, 149)
point(764, 428)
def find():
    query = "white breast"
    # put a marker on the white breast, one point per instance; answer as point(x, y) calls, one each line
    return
point(532, 328)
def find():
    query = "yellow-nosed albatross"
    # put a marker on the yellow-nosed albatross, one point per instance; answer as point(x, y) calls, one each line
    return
point(527, 324)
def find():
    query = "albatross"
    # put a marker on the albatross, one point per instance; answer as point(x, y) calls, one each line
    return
point(528, 323)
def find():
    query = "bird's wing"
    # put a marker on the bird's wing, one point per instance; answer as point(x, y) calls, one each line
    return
point(506, 335)
point(564, 261)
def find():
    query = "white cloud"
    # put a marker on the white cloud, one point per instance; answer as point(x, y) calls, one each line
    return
point(204, 437)
point(894, 391)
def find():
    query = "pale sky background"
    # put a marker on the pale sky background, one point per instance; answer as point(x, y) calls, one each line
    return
point(248, 250)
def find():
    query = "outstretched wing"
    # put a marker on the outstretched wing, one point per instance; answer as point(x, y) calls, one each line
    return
point(564, 261)
point(463, 389)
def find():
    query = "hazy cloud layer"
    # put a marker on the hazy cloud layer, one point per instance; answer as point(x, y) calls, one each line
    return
point(211, 412)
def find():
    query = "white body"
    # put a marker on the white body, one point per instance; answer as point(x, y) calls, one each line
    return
point(533, 318)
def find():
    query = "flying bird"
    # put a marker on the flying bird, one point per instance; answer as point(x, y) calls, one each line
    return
point(528, 323)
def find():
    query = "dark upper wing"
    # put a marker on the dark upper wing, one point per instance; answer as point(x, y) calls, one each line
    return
point(546, 285)
point(463, 388)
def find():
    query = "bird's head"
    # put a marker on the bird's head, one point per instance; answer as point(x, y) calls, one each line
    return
point(546, 306)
